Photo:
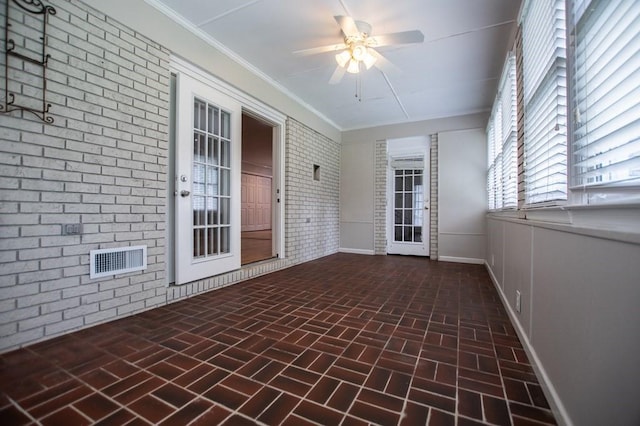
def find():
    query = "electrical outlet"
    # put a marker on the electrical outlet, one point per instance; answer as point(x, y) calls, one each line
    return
point(518, 301)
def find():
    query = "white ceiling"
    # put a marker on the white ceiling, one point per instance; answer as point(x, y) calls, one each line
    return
point(454, 72)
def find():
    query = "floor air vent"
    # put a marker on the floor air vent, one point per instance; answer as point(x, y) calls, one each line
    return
point(117, 261)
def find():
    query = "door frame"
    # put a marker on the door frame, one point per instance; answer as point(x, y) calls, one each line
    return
point(258, 110)
point(404, 148)
point(273, 118)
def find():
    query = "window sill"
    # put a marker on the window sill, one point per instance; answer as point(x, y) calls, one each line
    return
point(612, 222)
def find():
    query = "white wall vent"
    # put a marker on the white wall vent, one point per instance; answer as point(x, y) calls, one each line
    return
point(119, 260)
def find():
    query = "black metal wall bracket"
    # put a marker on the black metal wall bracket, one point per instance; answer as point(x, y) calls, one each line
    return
point(30, 51)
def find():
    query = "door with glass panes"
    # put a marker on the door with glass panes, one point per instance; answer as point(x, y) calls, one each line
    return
point(408, 227)
point(207, 187)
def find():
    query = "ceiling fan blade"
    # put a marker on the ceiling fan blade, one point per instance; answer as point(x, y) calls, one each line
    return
point(320, 49)
point(382, 63)
point(347, 25)
point(337, 75)
point(404, 37)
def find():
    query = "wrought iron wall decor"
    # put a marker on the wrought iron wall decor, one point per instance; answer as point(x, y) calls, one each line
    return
point(25, 58)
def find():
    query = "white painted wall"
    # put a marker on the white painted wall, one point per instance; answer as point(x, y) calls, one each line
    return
point(580, 317)
point(356, 197)
point(358, 174)
point(462, 196)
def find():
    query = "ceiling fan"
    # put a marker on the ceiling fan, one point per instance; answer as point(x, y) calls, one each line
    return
point(359, 47)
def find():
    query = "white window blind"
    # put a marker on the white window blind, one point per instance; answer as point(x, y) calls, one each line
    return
point(509, 135)
point(605, 83)
point(491, 161)
point(501, 139)
point(545, 94)
point(494, 139)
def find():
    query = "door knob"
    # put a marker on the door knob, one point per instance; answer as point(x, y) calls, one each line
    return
point(184, 193)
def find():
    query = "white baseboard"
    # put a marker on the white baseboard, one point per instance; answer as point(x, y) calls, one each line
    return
point(356, 251)
point(461, 260)
point(558, 408)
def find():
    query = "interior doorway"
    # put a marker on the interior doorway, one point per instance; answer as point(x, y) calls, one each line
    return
point(257, 209)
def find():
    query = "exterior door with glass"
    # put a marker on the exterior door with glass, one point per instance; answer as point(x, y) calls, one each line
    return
point(208, 181)
point(408, 227)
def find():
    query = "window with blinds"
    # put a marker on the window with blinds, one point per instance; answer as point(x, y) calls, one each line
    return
point(545, 101)
point(605, 91)
point(502, 172)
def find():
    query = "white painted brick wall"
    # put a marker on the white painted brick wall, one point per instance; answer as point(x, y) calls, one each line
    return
point(101, 163)
point(380, 198)
point(433, 155)
point(312, 210)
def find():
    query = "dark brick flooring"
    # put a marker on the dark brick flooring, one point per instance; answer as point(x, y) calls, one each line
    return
point(346, 339)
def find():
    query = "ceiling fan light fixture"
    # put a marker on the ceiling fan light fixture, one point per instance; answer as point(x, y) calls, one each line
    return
point(354, 67)
point(369, 60)
point(343, 58)
point(359, 52)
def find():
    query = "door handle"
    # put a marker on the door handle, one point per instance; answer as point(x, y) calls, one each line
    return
point(184, 193)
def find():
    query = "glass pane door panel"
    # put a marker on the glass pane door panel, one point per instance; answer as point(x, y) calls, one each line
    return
point(225, 157)
point(225, 182)
point(225, 238)
point(212, 211)
point(408, 234)
point(397, 233)
point(199, 147)
point(408, 183)
point(198, 211)
point(198, 243)
point(225, 211)
point(214, 118)
point(408, 217)
point(212, 241)
point(408, 205)
point(199, 115)
point(225, 119)
point(211, 180)
point(211, 150)
point(417, 233)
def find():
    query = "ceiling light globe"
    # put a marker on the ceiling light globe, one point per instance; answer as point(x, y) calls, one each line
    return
point(354, 67)
point(359, 52)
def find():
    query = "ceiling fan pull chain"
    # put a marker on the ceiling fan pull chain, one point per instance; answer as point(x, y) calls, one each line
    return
point(358, 88)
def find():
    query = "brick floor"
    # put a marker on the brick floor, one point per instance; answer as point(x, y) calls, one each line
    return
point(345, 339)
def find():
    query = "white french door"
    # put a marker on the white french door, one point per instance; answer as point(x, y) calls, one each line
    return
point(408, 216)
point(208, 167)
